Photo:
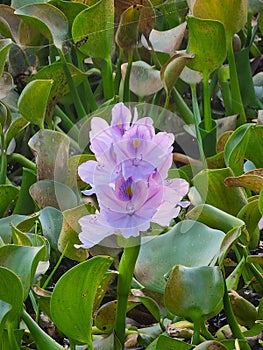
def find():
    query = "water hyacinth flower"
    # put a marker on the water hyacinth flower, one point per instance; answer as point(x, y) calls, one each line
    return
point(129, 177)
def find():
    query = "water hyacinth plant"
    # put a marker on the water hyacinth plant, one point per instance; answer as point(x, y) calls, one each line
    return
point(131, 160)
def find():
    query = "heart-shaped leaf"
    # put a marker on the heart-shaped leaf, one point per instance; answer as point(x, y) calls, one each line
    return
point(73, 297)
point(11, 292)
point(52, 162)
point(32, 103)
point(211, 181)
point(23, 261)
point(207, 42)
point(94, 27)
point(48, 19)
point(159, 254)
point(232, 13)
point(194, 292)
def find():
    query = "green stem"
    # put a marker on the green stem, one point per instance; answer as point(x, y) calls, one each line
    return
point(66, 123)
point(85, 89)
point(107, 79)
point(205, 332)
point(17, 157)
point(117, 78)
point(74, 94)
point(196, 335)
point(126, 270)
point(126, 88)
point(197, 121)
point(11, 336)
point(185, 112)
point(55, 268)
point(237, 103)
point(207, 103)
point(233, 322)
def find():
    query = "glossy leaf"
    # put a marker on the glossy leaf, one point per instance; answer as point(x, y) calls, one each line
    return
point(53, 194)
point(18, 124)
point(11, 292)
point(73, 180)
point(159, 254)
point(52, 162)
point(245, 312)
point(172, 69)
point(147, 18)
point(42, 339)
point(69, 8)
point(167, 41)
point(6, 230)
point(73, 297)
point(232, 13)
point(165, 342)
point(4, 47)
point(185, 288)
point(8, 195)
point(48, 19)
point(51, 223)
point(92, 29)
point(144, 79)
point(23, 261)
point(33, 100)
point(69, 233)
point(7, 13)
point(25, 203)
point(4, 310)
point(127, 33)
point(59, 88)
point(211, 181)
point(243, 144)
point(207, 42)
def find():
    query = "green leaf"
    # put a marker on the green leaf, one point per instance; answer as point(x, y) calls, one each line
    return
point(73, 297)
point(11, 292)
point(8, 195)
point(51, 223)
point(5, 223)
point(4, 311)
point(60, 85)
point(23, 261)
point(159, 254)
point(165, 342)
point(92, 29)
point(244, 143)
point(47, 193)
point(25, 203)
point(18, 124)
point(172, 69)
point(69, 8)
point(69, 233)
point(150, 304)
point(48, 19)
point(32, 103)
point(211, 181)
point(232, 13)
point(207, 42)
point(127, 33)
point(194, 292)
point(52, 162)
point(10, 20)
point(42, 339)
point(4, 48)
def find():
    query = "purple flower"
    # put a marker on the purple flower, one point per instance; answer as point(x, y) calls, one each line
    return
point(129, 177)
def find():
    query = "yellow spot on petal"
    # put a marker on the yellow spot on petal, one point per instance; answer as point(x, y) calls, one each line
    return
point(136, 143)
point(129, 191)
point(120, 124)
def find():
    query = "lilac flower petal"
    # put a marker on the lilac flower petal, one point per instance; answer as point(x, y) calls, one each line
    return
point(260, 223)
point(165, 214)
point(121, 118)
point(86, 171)
point(93, 231)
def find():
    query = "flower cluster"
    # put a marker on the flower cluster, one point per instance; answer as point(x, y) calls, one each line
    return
point(129, 177)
